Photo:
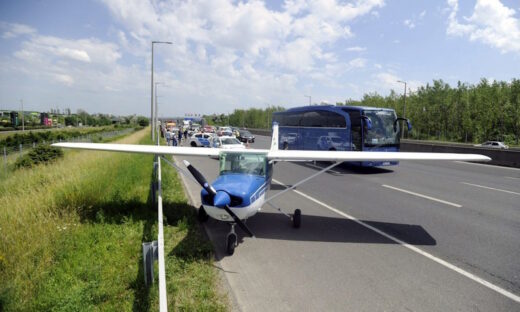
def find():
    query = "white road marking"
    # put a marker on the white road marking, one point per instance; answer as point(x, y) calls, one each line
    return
point(318, 167)
point(423, 196)
point(444, 263)
point(491, 188)
point(487, 165)
point(516, 178)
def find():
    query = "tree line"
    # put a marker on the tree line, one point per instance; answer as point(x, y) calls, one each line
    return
point(464, 113)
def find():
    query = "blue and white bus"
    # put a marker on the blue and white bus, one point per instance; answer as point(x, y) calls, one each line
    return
point(340, 128)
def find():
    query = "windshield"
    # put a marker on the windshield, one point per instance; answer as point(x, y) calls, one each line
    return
point(230, 141)
point(245, 133)
point(382, 132)
point(246, 163)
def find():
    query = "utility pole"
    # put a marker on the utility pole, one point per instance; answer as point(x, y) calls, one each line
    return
point(404, 107)
point(23, 121)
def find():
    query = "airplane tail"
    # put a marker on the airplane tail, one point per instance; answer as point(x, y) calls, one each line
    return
point(274, 138)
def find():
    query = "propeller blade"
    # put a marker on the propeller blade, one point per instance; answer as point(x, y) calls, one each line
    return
point(242, 225)
point(200, 178)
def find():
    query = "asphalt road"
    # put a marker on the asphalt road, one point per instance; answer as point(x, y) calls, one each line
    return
point(421, 236)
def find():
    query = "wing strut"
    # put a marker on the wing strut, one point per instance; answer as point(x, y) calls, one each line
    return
point(302, 181)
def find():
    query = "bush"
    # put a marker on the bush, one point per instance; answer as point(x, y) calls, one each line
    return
point(39, 155)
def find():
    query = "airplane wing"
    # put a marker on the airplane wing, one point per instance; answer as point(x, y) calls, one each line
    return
point(295, 155)
point(143, 149)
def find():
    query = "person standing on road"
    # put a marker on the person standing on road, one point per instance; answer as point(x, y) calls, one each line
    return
point(180, 136)
point(185, 134)
point(168, 137)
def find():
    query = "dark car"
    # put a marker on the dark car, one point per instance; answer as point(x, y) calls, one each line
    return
point(245, 136)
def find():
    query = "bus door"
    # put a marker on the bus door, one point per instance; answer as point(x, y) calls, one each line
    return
point(356, 133)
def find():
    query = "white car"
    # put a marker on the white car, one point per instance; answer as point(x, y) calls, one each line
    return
point(493, 144)
point(226, 142)
point(200, 139)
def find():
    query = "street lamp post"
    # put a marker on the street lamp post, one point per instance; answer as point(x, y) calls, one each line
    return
point(309, 99)
point(151, 91)
point(404, 107)
point(156, 112)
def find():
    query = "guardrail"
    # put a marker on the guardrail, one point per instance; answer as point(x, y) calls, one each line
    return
point(509, 158)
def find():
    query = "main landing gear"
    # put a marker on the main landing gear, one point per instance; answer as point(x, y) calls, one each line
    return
point(297, 219)
point(231, 240)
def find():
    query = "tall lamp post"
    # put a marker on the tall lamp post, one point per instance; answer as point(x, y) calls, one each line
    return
point(309, 99)
point(404, 107)
point(156, 112)
point(151, 91)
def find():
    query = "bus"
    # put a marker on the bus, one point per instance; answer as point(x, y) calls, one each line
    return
point(340, 128)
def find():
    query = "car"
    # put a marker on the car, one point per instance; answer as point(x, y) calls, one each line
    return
point(225, 142)
point(224, 131)
point(245, 136)
point(493, 144)
point(200, 139)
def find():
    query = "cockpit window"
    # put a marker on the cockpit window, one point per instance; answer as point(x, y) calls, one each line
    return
point(243, 163)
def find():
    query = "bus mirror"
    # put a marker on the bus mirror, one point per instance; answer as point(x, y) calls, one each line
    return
point(368, 122)
point(408, 124)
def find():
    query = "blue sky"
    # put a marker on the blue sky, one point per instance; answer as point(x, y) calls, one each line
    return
point(95, 55)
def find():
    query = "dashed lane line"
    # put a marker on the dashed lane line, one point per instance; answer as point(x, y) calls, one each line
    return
point(491, 188)
point(422, 196)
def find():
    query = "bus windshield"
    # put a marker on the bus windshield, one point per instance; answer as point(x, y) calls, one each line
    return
point(382, 132)
point(243, 163)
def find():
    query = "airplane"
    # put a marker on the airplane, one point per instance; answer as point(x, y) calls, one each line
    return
point(245, 175)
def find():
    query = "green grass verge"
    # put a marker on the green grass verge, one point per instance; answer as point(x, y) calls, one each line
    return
point(72, 234)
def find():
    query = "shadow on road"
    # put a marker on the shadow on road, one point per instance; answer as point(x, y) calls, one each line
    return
point(321, 229)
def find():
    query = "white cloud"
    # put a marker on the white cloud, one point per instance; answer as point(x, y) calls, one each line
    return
point(389, 81)
point(358, 63)
point(491, 23)
point(408, 23)
point(14, 30)
point(356, 49)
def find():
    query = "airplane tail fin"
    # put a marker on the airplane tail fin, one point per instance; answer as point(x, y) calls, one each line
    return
point(274, 138)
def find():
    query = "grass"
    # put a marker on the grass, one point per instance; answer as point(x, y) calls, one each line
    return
point(72, 233)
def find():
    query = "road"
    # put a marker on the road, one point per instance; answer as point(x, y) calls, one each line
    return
point(422, 236)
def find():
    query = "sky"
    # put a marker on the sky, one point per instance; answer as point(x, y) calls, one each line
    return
point(96, 55)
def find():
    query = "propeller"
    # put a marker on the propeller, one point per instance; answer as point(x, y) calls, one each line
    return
point(221, 199)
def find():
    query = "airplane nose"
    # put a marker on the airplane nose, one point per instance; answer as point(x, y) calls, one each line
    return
point(221, 199)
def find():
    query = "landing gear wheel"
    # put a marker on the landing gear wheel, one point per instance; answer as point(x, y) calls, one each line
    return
point(231, 243)
point(297, 218)
point(202, 215)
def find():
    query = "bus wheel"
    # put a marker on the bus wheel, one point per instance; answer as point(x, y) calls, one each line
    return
point(297, 218)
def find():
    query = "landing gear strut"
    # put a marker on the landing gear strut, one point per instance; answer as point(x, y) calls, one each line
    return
point(231, 240)
point(297, 218)
point(202, 215)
